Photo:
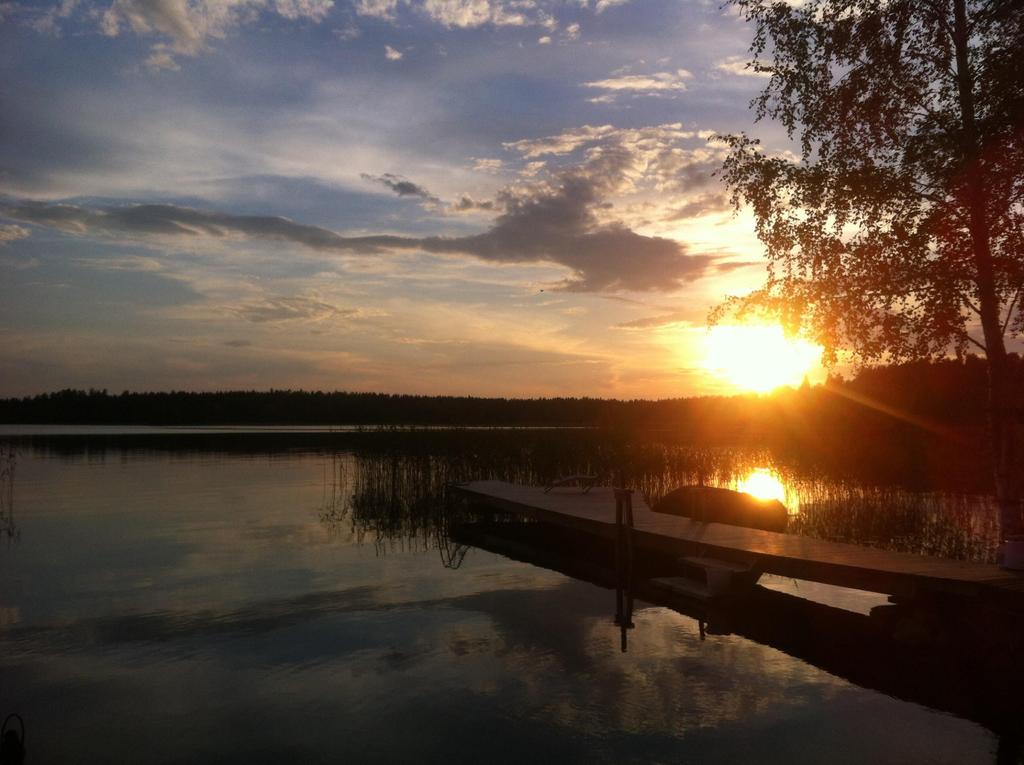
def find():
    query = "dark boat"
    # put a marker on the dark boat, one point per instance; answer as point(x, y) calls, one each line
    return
point(712, 505)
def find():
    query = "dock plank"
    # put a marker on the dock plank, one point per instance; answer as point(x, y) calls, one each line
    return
point(818, 560)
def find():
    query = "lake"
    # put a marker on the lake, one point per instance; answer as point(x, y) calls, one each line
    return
point(276, 597)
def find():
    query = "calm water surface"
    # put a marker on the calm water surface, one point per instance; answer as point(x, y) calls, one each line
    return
point(163, 606)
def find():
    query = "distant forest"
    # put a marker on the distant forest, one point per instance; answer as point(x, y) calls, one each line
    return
point(921, 423)
point(932, 395)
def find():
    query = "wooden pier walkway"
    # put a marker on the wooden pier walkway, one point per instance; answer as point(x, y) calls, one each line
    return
point(845, 565)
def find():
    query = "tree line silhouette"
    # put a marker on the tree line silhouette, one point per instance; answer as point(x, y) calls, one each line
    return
point(919, 424)
point(931, 395)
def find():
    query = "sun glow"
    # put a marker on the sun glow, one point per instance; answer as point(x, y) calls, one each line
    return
point(758, 358)
point(763, 484)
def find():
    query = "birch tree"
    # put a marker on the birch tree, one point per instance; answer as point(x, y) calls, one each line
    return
point(894, 230)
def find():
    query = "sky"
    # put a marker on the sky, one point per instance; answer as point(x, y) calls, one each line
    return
point(486, 197)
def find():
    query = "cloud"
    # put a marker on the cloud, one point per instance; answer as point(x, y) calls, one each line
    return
point(556, 212)
point(562, 143)
point(475, 13)
point(168, 18)
point(684, 316)
point(468, 14)
point(391, 54)
point(186, 27)
point(656, 84)
point(705, 204)
point(486, 165)
point(458, 13)
point(134, 263)
point(667, 158)
point(348, 32)
point(602, 5)
point(551, 222)
point(161, 59)
point(48, 21)
point(378, 9)
point(238, 343)
point(739, 66)
point(401, 186)
point(11, 233)
point(467, 203)
point(275, 309)
point(556, 223)
point(314, 10)
point(724, 267)
point(175, 221)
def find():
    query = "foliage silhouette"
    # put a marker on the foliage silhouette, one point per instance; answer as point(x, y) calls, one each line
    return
point(898, 231)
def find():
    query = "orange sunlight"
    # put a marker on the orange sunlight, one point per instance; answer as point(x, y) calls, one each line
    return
point(763, 484)
point(758, 358)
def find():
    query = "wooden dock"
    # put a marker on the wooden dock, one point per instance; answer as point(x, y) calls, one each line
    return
point(846, 565)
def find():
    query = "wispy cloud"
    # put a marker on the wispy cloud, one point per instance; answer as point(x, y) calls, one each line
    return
point(162, 220)
point(467, 203)
point(10, 233)
point(740, 66)
point(684, 316)
point(656, 84)
point(705, 204)
point(296, 308)
point(487, 165)
point(181, 27)
point(457, 13)
point(401, 186)
point(554, 222)
point(667, 158)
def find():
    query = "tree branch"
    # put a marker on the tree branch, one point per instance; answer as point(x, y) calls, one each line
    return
point(940, 16)
point(969, 304)
point(979, 345)
point(1009, 310)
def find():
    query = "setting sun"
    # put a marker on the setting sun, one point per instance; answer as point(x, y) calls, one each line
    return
point(758, 358)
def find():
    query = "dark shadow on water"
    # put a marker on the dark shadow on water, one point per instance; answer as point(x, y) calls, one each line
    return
point(936, 654)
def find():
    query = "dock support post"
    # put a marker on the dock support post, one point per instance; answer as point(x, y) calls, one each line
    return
point(624, 561)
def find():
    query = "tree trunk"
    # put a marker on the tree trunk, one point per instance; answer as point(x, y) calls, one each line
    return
point(1003, 425)
point(1001, 393)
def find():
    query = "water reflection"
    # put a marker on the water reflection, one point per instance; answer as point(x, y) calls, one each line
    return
point(274, 606)
point(8, 462)
point(762, 483)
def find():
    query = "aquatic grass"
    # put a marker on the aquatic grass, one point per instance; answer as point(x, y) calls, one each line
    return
point(947, 525)
point(396, 497)
point(388, 487)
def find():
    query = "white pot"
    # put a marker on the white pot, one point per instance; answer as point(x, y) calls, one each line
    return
point(1013, 553)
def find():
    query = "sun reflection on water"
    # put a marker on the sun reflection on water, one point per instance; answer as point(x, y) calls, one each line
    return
point(763, 483)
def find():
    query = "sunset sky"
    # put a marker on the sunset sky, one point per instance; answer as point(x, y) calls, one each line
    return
point(441, 196)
